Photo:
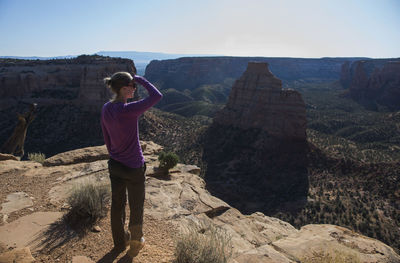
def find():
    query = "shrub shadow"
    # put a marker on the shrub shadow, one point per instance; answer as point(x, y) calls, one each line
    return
point(56, 235)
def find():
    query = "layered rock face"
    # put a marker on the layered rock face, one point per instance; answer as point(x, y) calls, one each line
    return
point(255, 150)
point(79, 80)
point(257, 100)
point(373, 82)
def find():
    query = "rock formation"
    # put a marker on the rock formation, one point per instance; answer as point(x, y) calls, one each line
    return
point(373, 82)
point(255, 150)
point(257, 100)
point(179, 202)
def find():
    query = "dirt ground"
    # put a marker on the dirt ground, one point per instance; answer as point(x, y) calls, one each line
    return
point(159, 246)
point(63, 244)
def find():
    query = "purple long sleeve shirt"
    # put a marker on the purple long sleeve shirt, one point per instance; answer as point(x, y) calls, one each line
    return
point(119, 122)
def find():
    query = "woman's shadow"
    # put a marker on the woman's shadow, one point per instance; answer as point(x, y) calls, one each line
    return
point(113, 255)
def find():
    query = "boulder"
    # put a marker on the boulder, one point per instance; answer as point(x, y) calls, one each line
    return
point(91, 154)
point(5, 156)
point(84, 155)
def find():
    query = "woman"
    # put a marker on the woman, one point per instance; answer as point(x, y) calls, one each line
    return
point(119, 122)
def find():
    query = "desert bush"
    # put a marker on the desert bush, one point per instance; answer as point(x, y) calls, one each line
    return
point(87, 204)
point(37, 157)
point(204, 243)
point(167, 161)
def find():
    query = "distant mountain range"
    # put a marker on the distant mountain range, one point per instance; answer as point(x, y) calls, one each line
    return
point(146, 57)
point(141, 59)
point(39, 58)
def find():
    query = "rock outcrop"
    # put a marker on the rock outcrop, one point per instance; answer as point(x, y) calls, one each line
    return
point(373, 83)
point(255, 150)
point(181, 200)
point(257, 100)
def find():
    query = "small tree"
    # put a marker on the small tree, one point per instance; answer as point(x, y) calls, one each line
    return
point(167, 160)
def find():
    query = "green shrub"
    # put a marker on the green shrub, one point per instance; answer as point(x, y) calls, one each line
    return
point(37, 157)
point(167, 161)
point(203, 243)
point(87, 204)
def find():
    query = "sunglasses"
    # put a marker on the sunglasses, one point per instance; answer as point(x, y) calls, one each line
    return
point(132, 84)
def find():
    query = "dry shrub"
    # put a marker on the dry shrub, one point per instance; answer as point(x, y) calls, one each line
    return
point(203, 243)
point(37, 157)
point(88, 203)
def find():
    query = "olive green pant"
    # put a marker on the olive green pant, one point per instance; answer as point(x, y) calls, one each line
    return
point(132, 179)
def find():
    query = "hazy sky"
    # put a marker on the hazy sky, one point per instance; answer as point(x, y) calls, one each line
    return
point(303, 28)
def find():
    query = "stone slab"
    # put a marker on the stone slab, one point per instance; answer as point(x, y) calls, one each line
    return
point(24, 231)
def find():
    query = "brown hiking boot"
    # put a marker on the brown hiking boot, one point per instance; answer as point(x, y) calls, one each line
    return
point(121, 248)
point(135, 247)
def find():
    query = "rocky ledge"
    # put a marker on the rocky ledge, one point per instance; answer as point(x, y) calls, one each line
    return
point(180, 200)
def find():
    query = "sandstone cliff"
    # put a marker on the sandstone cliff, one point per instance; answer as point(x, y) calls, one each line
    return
point(33, 205)
point(256, 148)
point(373, 82)
point(55, 81)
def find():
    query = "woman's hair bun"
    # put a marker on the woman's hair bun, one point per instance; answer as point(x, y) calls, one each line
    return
point(107, 81)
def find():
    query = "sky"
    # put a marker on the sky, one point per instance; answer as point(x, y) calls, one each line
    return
point(285, 28)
